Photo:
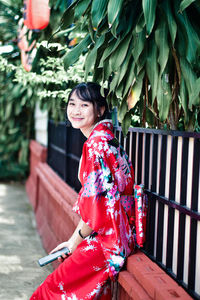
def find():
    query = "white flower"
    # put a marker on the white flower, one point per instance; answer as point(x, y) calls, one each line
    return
point(113, 149)
point(89, 247)
point(73, 297)
point(110, 211)
point(117, 259)
point(96, 268)
point(61, 286)
point(95, 291)
point(105, 147)
point(109, 232)
point(108, 152)
point(100, 146)
point(116, 214)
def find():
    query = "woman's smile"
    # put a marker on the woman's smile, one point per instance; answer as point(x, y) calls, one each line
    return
point(82, 114)
point(77, 119)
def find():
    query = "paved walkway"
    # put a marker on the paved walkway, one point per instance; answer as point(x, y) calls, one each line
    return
point(20, 245)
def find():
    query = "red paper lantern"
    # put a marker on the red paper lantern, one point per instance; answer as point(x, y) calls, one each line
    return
point(36, 14)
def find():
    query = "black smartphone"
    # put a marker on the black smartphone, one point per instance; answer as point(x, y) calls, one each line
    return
point(51, 257)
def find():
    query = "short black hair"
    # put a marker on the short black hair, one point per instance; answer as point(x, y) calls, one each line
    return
point(91, 92)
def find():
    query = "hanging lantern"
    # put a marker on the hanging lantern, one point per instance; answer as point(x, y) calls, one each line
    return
point(36, 14)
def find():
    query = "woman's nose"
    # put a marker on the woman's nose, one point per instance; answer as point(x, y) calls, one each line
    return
point(77, 110)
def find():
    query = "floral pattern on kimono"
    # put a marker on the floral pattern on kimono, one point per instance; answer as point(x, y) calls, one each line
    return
point(106, 176)
point(105, 203)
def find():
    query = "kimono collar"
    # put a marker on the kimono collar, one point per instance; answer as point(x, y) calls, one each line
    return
point(103, 125)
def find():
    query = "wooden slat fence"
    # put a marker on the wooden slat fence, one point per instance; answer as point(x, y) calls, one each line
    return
point(168, 164)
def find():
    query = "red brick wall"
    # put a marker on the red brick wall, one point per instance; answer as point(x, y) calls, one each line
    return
point(38, 154)
point(52, 200)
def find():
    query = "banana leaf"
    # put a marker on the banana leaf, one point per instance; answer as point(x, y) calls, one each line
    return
point(114, 8)
point(71, 57)
point(98, 11)
point(149, 9)
point(161, 38)
point(184, 4)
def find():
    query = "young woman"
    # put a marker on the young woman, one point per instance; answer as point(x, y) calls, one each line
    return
point(103, 238)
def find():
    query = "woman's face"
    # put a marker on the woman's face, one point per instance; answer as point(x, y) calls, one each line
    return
point(81, 114)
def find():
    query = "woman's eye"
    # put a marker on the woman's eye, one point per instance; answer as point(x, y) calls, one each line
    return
point(85, 105)
point(71, 103)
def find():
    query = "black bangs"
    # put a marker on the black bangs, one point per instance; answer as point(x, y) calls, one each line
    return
point(84, 93)
point(91, 92)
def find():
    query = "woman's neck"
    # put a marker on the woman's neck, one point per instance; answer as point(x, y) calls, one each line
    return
point(87, 131)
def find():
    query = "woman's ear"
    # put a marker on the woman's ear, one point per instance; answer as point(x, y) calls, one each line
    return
point(102, 110)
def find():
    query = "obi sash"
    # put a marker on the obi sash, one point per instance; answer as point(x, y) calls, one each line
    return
point(136, 209)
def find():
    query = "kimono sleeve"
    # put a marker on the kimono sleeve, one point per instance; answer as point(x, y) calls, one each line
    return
point(98, 196)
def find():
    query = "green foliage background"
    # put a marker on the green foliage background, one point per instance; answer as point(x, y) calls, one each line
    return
point(146, 52)
point(47, 83)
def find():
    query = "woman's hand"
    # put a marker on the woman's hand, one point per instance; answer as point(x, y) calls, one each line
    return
point(75, 239)
point(67, 244)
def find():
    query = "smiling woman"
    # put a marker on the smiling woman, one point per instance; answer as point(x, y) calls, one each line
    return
point(103, 238)
point(86, 106)
point(81, 114)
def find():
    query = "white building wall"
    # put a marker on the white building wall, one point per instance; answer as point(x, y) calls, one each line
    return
point(41, 125)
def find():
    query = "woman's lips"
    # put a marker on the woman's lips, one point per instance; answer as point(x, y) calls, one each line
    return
point(77, 119)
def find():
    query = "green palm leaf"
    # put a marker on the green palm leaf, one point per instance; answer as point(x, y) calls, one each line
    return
point(161, 38)
point(114, 9)
point(164, 97)
point(98, 11)
point(167, 10)
point(71, 57)
point(152, 68)
point(185, 3)
point(119, 55)
point(149, 9)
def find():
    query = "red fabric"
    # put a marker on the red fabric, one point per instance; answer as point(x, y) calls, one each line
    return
point(77, 277)
point(140, 214)
point(36, 14)
point(105, 174)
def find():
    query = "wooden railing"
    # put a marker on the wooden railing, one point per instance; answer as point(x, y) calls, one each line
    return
point(168, 164)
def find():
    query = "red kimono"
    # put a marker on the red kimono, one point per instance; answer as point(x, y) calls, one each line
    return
point(105, 203)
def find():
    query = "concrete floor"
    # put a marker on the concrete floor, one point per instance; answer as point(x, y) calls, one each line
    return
point(20, 245)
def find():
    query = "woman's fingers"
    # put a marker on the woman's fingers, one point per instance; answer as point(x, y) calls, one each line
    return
point(64, 255)
point(59, 247)
point(62, 258)
point(54, 250)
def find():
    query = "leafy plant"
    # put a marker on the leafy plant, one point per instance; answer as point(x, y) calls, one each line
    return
point(16, 124)
point(17, 99)
point(146, 52)
point(50, 88)
point(53, 84)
